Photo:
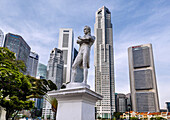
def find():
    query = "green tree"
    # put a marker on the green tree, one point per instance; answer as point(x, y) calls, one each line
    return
point(117, 115)
point(16, 88)
point(134, 118)
point(99, 117)
point(40, 87)
point(160, 118)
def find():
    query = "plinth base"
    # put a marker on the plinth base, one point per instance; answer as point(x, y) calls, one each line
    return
point(77, 103)
point(77, 85)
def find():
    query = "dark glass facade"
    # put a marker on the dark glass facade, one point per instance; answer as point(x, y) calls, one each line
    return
point(17, 44)
point(42, 71)
point(143, 79)
point(65, 40)
point(141, 57)
point(145, 102)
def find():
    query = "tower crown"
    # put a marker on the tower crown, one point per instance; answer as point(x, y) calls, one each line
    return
point(104, 9)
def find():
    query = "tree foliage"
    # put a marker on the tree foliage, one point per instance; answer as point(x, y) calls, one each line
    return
point(134, 118)
point(117, 115)
point(15, 87)
point(157, 118)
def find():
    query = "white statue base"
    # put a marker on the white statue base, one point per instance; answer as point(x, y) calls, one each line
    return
point(76, 102)
point(2, 113)
point(77, 85)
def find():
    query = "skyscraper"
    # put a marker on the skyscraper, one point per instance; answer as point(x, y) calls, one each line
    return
point(55, 74)
point(55, 67)
point(17, 44)
point(121, 102)
point(32, 64)
point(103, 62)
point(32, 71)
point(1, 38)
point(42, 71)
point(65, 44)
point(41, 74)
point(144, 93)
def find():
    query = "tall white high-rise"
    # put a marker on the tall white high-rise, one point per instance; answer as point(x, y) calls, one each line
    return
point(1, 38)
point(104, 63)
point(65, 43)
point(143, 84)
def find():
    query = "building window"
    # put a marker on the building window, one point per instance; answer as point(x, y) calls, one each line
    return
point(65, 40)
point(65, 52)
point(66, 31)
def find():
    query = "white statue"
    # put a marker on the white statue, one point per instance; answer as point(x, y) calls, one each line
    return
point(83, 57)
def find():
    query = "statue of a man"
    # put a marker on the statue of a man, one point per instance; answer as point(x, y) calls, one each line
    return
point(83, 57)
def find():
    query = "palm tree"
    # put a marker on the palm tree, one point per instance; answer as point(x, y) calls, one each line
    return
point(54, 104)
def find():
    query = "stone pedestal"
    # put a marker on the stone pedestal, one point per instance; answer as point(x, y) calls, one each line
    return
point(76, 102)
point(2, 114)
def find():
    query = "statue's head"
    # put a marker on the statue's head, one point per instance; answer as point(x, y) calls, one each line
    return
point(87, 30)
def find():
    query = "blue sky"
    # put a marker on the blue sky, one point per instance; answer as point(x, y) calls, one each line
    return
point(134, 22)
